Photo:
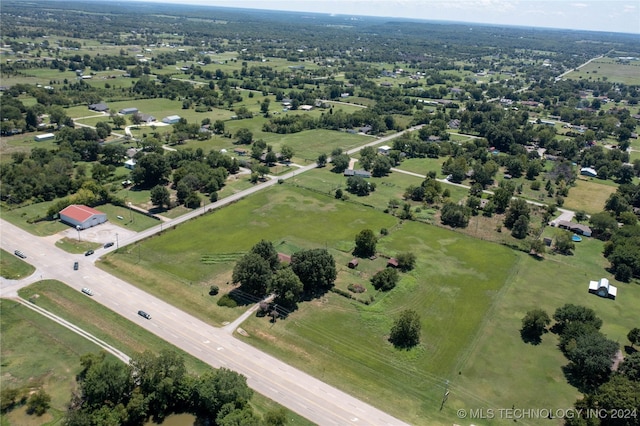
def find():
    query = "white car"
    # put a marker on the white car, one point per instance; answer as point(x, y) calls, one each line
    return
point(87, 291)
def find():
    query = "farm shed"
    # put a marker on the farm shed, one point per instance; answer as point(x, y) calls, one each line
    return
point(602, 288)
point(44, 137)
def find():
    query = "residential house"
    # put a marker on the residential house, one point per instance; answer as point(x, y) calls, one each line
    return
point(384, 149)
point(575, 227)
point(359, 173)
point(99, 107)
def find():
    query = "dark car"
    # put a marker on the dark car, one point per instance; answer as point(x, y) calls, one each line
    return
point(20, 254)
point(144, 315)
point(109, 244)
point(75, 266)
point(89, 252)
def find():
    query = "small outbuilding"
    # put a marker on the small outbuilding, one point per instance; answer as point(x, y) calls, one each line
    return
point(171, 119)
point(44, 137)
point(384, 149)
point(128, 111)
point(353, 263)
point(130, 164)
point(603, 288)
point(392, 263)
point(81, 216)
point(588, 171)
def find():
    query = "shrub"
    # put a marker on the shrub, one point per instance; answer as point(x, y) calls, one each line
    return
point(386, 279)
point(213, 290)
point(227, 301)
point(356, 288)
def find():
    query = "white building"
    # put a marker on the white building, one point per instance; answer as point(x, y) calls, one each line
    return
point(602, 288)
point(171, 119)
point(44, 137)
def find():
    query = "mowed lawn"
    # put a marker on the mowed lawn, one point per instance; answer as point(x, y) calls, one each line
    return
point(181, 265)
point(502, 369)
point(455, 284)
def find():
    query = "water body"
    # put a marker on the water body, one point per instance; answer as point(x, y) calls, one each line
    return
point(177, 420)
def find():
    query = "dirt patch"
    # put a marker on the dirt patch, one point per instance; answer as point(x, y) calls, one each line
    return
point(617, 359)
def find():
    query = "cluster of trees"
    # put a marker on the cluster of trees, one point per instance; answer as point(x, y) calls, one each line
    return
point(591, 356)
point(259, 272)
point(37, 402)
point(156, 385)
point(622, 248)
point(589, 352)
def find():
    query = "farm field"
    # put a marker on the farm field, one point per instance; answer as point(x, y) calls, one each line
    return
point(202, 252)
point(610, 69)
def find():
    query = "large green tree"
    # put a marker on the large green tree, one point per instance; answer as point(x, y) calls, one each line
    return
point(385, 279)
point(265, 249)
point(151, 170)
point(591, 358)
point(534, 324)
point(160, 196)
point(405, 332)
point(287, 287)
point(366, 242)
point(634, 336)
point(316, 268)
point(253, 273)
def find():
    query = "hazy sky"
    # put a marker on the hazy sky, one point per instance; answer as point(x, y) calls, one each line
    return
point(597, 15)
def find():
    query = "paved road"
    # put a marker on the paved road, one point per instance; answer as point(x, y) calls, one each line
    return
point(311, 398)
point(290, 387)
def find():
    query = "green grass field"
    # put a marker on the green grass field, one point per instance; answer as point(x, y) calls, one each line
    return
point(281, 213)
point(54, 369)
point(609, 69)
point(589, 195)
point(344, 342)
point(12, 267)
point(471, 295)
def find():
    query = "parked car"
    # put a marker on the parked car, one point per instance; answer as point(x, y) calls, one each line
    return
point(89, 252)
point(20, 254)
point(109, 244)
point(87, 291)
point(75, 266)
point(144, 315)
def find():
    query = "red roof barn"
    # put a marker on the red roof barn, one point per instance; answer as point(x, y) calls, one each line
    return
point(81, 216)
